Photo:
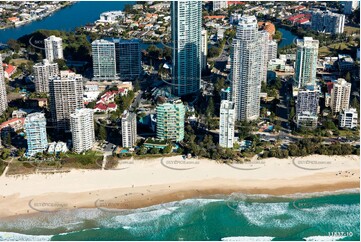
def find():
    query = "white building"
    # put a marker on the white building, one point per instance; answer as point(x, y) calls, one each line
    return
point(218, 5)
point(306, 61)
point(66, 95)
point(307, 100)
point(36, 137)
point(82, 129)
point(104, 60)
point(3, 95)
point(111, 17)
point(247, 68)
point(272, 50)
point(226, 124)
point(307, 120)
point(340, 95)
point(129, 129)
point(348, 118)
point(53, 48)
point(204, 49)
point(42, 73)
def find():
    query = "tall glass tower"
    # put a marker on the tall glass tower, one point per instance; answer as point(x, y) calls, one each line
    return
point(186, 38)
point(247, 68)
point(306, 61)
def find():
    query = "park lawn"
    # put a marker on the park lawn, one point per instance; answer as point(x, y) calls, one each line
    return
point(18, 62)
point(352, 30)
point(89, 160)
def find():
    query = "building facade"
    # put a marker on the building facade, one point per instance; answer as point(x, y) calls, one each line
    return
point(340, 95)
point(129, 129)
point(247, 68)
point(306, 61)
point(204, 49)
point(170, 120)
point(328, 22)
point(348, 118)
point(36, 136)
point(104, 60)
point(186, 17)
point(350, 6)
point(42, 73)
point(218, 5)
point(3, 95)
point(128, 58)
point(53, 48)
point(226, 124)
point(66, 95)
point(82, 129)
point(308, 100)
point(272, 50)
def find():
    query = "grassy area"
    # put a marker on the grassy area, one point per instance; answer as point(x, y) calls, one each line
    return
point(332, 49)
point(89, 160)
point(352, 30)
point(18, 62)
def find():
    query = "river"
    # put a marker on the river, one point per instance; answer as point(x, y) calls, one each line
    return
point(76, 15)
point(287, 37)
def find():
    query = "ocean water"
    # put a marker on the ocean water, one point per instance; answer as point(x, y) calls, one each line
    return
point(234, 217)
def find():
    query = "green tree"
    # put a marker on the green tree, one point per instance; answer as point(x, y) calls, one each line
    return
point(14, 45)
point(61, 64)
point(167, 149)
point(102, 135)
point(210, 108)
point(348, 77)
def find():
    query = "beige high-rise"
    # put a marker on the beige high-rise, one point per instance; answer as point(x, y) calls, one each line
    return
point(3, 97)
point(66, 95)
point(340, 95)
point(42, 73)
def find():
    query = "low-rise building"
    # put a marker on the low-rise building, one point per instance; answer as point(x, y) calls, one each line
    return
point(306, 120)
point(348, 118)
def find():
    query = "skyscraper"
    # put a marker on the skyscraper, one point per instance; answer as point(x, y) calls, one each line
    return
point(186, 38)
point(272, 50)
point(36, 137)
point(340, 95)
point(129, 129)
point(247, 67)
point(128, 58)
point(53, 48)
point(82, 129)
point(104, 66)
point(204, 49)
point(218, 5)
point(66, 95)
point(226, 124)
point(3, 97)
point(42, 73)
point(170, 120)
point(306, 61)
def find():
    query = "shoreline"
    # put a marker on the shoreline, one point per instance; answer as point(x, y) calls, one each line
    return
point(149, 183)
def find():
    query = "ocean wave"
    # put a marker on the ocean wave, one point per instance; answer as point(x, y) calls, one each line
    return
point(248, 238)
point(11, 236)
point(324, 238)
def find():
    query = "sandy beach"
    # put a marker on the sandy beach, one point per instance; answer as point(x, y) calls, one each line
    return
point(140, 183)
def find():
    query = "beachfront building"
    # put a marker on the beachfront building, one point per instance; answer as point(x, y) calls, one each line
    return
point(129, 129)
point(3, 96)
point(340, 95)
point(306, 61)
point(327, 22)
point(42, 72)
point(170, 120)
point(53, 48)
point(128, 58)
point(66, 95)
point(226, 124)
point(36, 137)
point(348, 118)
point(82, 129)
point(247, 67)
point(104, 60)
point(186, 28)
point(308, 100)
point(204, 49)
point(306, 120)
